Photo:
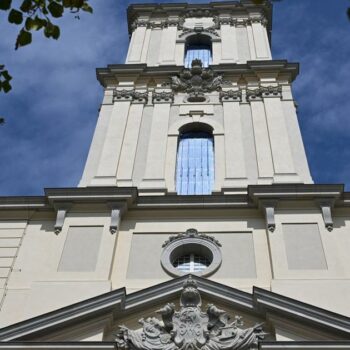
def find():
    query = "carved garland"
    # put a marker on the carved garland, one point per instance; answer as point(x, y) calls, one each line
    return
point(189, 328)
point(191, 233)
point(179, 23)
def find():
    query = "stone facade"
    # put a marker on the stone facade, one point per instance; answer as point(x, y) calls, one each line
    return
point(266, 227)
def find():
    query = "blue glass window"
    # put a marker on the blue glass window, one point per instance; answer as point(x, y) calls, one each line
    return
point(195, 164)
point(202, 52)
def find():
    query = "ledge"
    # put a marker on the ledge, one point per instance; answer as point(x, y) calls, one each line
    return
point(109, 75)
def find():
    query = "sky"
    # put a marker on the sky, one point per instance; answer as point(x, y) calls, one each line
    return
point(52, 110)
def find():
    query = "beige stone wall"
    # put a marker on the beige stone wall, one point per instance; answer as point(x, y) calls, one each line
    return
point(38, 281)
point(236, 42)
point(256, 141)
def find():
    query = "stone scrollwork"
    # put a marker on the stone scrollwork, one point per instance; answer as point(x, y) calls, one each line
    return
point(263, 91)
point(189, 328)
point(191, 233)
point(130, 95)
point(199, 30)
point(197, 80)
point(163, 97)
point(230, 95)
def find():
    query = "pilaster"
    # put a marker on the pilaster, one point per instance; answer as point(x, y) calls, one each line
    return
point(154, 176)
point(235, 159)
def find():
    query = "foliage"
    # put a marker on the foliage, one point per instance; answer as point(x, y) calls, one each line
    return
point(37, 15)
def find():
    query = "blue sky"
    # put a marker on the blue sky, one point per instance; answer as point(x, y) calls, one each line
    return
point(51, 112)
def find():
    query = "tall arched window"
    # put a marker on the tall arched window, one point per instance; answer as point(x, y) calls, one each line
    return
point(198, 47)
point(195, 163)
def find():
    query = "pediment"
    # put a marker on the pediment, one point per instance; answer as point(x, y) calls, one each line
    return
point(268, 318)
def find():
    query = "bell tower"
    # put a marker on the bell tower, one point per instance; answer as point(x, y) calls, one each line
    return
point(197, 166)
point(199, 106)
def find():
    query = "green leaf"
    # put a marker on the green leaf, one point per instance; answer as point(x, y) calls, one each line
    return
point(52, 31)
point(77, 3)
point(23, 38)
point(56, 32)
point(87, 8)
point(26, 5)
point(15, 16)
point(67, 3)
point(5, 74)
point(5, 4)
point(6, 86)
point(35, 24)
point(55, 9)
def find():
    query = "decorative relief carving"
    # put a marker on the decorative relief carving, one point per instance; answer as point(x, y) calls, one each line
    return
point(263, 91)
point(196, 81)
point(179, 22)
point(130, 95)
point(199, 30)
point(190, 328)
point(163, 97)
point(233, 21)
point(230, 95)
point(191, 233)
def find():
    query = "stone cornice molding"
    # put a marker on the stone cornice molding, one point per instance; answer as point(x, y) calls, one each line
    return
point(130, 95)
point(235, 21)
point(154, 12)
point(263, 91)
point(251, 198)
point(261, 303)
point(108, 77)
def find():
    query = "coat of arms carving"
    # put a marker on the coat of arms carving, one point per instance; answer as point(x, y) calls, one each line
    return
point(190, 328)
point(196, 81)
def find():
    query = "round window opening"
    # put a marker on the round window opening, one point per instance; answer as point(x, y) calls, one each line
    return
point(191, 252)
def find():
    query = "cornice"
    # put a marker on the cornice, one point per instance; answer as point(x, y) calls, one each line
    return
point(176, 13)
point(304, 345)
point(254, 196)
point(261, 303)
point(109, 75)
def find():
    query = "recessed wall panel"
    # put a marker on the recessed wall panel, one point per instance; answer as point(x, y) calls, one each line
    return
point(304, 247)
point(81, 249)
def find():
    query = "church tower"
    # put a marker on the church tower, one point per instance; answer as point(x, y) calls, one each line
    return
point(199, 107)
point(196, 190)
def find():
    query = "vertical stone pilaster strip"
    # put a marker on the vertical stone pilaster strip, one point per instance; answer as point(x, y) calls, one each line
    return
point(136, 45)
point(155, 166)
point(128, 152)
point(279, 139)
point(234, 151)
point(262, 142)
point(251, 42)
point(219, 154)
point(114, 139)
point(168, 45)
point(229, 50)
point(170, 166)
point(262, 48)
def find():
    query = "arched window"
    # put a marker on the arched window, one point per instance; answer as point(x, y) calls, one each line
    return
point(198, 47)
point(195, 163)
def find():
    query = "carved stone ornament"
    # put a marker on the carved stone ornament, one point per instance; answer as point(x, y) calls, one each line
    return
point(163, 97)
point(196, 81)
point(199, 30)
point(230, 95)
point(130, 95)
point(190, 328)
point(263, 91)
point(191, 233)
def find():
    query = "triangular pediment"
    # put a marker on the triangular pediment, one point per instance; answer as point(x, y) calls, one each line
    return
point(292, 319)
